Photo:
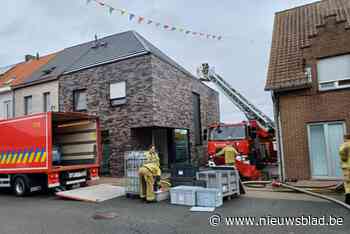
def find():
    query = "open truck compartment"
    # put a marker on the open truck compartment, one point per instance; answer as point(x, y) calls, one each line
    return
point(49, 150)
point(74, 139)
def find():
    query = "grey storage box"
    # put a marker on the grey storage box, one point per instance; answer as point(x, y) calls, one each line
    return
point(183, 195)
point(227, 181)
point(209, 197)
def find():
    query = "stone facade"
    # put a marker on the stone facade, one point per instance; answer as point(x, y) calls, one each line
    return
point(301, 107)
point(173, 103)
point(157, 95)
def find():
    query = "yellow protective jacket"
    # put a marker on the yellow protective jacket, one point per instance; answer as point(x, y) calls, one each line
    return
point(152, 163)
point(344, 153)
point(230, 154)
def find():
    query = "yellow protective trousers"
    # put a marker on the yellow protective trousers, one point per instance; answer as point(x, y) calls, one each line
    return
point(346, 173)
point(146, 184)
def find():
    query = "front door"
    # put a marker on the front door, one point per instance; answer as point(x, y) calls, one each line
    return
point(160, 140)
point(324, 142)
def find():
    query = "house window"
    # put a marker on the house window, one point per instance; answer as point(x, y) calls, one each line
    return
point(117, 93)
point(28, 108)
point(197, 118)
point(7, 109)
point(334, 72)
point(47, 102)
point(79, 97)
point(324, 142)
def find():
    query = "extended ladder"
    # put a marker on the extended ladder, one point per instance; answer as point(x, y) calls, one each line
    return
point(250, 111)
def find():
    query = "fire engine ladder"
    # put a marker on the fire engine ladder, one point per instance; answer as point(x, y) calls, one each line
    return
point(207, 73)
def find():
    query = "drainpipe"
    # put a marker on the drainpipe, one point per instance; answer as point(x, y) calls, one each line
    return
point(13, 103)
point(280, 153)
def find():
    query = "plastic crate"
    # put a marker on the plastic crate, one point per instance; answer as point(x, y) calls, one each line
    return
point(132, 185)
point(227, 181)
point(187, 182)
point(183, 171)
point(209, 197)
point(133, 160)
point(183, 195)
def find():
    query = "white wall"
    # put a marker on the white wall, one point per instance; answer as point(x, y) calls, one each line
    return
point(4, 97)
point(37, 92)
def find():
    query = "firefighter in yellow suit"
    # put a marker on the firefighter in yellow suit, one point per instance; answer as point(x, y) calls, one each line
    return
point(344, 153)
point(230, 154)
point(149, 170)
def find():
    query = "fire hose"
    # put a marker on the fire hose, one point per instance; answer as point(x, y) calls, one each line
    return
point(298, 189)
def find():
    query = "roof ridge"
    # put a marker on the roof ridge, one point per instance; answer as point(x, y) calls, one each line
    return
point(102, 38)
point(141, 40)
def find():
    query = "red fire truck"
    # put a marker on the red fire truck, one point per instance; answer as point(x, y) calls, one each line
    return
point(252, 138)
point(49, 150)
point(254, 145)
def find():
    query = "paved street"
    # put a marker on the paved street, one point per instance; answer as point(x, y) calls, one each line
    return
point(42, 214)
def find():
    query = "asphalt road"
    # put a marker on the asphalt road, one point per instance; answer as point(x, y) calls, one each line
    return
point(42, 214)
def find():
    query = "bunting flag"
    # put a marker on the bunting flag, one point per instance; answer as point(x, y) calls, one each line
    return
point(111, 9)
point(131, 16)
point(141, 19)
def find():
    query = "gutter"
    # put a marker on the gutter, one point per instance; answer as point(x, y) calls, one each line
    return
point(106, 62)
point(279, 141)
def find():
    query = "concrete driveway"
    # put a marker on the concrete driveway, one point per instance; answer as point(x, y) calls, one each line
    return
point(41, 214)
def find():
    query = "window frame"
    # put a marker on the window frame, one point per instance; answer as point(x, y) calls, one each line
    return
point(198, 139)
point(74, 99)
point(46, 101)
point(8, 109)
point(325, 126)
point(335, 82)
point(26, 109)
point(118, 100)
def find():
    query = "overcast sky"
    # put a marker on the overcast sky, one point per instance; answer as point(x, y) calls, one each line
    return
point(30, 26)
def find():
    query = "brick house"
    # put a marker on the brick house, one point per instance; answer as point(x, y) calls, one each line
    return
point(309, 77)
point(140, 94)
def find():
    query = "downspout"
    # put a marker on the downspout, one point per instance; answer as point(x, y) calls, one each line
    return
point(13, 104)
point(279, 141)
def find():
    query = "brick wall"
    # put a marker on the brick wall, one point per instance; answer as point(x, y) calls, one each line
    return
point(158, 95)
point(173, 103)
point(300, 107)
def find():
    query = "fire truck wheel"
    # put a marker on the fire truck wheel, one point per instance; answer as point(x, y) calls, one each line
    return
point(20, 186)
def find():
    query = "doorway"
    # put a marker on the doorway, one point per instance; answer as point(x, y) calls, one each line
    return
point(324, 142)
point(172, 145)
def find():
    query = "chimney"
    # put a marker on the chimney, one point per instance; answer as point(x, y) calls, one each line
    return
point(28, 57)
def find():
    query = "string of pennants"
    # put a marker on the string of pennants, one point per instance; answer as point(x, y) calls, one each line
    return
point(144, 20)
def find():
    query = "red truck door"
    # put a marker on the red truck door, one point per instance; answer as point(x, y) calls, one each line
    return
point(24, 144)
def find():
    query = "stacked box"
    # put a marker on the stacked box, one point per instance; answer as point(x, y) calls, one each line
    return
point(132, 162)
point(227, 181)
point(183, 195)
point(187, 182)
point(209, 197)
